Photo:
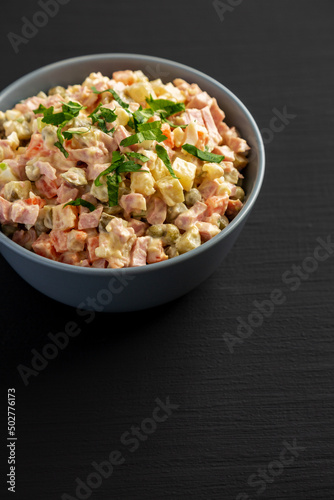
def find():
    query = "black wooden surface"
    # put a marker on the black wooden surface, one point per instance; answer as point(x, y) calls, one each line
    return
point(238, 413)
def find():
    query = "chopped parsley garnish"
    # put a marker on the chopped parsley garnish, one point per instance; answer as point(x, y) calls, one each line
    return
point(101, 116)
point(120, 164)
point(147, 135)
point(69, 111)
point(3, 166)
point(68, 134)
point(163, 155)
point(166, 108)
point(83, 203)
point(203, 155)
point(114, 94)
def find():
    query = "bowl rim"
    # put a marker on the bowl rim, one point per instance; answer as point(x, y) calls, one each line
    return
point(251, 198)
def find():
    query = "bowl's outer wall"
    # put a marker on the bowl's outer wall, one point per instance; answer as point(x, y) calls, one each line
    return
point(119, 291)
point(159, 284)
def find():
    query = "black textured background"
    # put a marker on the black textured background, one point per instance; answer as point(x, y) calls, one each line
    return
point(235, 410)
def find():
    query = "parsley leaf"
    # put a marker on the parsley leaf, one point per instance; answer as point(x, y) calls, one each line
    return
point(138, 156)
point(203, 155)
point(114, 94)
point(163, 155)
point(113, 182)
point(102, 116)
point(69, 111)
point(83, 203)
point(68, 134)
point(165, 106)
point(117, 158)
point(145, 135)
point(120, 164)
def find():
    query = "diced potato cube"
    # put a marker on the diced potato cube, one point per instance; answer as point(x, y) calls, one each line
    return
point(142, 182)
point(23, 130)
point(16, 190)
point(139, 76)
point(213, 170)
point(6, 174)
point(191, 134)
point(13, 114)
point(100, 192)
point(75, 176)
point(32, 171)
point(13, 140)
point(178, 136)
point(240, 161)
point(171, 190)
point(186, 172)
point(189, 240)
point(76, 240)
point(232, 176)
point(122, 117)
point(160, 170)
point(223, 187)
point(139, 91)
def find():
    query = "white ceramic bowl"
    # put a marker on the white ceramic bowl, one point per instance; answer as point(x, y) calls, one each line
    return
point(130, 289)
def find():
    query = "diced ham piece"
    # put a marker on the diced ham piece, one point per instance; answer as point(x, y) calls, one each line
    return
point(43, 246)
point(210, 125)
point(156, 211)
point(90, 219)
point(120, 134)
point(6, 150)
point(66, 193)
point(30, 104)
point(47, 169)
point(207, 230)
point(48, 188)
point(37, 148)
point(195, 115)
point(35, 200)
point(133, 202)
point(93, 154)
point(84, 263)
point(64, 218)
point(92, 244)
point(72, 258)
point(233, 208)
point(218, 114)
point(116, 244)
point(237, 144)
point(217, 204)
point(139, 251)
point(17, 166)
point(226, 151)
point(25, 238)
point(232, 139)
point(94, 169)
point(181, 84)
point(108, 141)
point(5, 207)
point(188, 218)
point(119, 230)
point(127, 77)
point(207, 188)
point(200, 100)
point(59, 240)
point(23, 213)
point(138, 226)
point(155, 251)
point(100, 263)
